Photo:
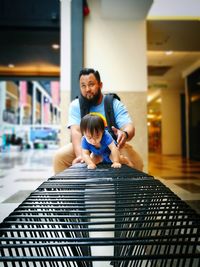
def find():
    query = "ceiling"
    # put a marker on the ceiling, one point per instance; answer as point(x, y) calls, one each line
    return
point(181, 37)
point(30, 51)
point(28, 29)
point(165, 70)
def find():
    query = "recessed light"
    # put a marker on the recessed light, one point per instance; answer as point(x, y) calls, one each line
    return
point(55, 46)
point(11, 65)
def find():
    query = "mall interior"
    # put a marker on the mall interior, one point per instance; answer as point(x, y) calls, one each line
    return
point(146, 51)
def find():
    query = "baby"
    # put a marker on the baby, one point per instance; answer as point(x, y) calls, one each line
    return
point(98, 145)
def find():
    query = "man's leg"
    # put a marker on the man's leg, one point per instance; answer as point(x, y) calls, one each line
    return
point(63, 158)
point(126, 161)
point(133, 156)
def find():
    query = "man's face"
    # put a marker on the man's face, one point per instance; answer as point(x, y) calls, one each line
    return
point(90, 88)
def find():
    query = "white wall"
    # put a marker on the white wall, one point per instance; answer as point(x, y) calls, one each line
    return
point(117, 48)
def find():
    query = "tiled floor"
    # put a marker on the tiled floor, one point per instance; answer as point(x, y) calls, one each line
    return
point(22, 172)
point(182, 176)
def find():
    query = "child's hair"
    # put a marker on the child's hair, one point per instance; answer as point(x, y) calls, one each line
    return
point(92, 123)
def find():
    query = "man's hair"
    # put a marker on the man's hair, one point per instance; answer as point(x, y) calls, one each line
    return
point(92, 123)
point(87, 71)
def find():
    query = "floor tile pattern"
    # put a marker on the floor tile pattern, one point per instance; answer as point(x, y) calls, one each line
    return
point(181, 175)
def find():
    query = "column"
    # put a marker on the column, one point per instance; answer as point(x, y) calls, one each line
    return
point(33, 104)
point(42, 109)
point(23, 100)
point(115, 44)
point(65, 78)
point(21, 114)
point(2, 108)
point(2, 100)
point(171, 123)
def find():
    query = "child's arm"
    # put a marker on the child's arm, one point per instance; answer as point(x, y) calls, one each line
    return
point(114, 156)
point(87, 159)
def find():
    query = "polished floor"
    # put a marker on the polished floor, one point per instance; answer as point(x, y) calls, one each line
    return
point(22, 172)
point(181, 175)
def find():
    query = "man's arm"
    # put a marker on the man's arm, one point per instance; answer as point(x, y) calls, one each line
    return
point(76, 142)
point(124, 134)
point(126, 130)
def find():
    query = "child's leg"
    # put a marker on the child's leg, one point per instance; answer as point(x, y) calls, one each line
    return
point(96, 159)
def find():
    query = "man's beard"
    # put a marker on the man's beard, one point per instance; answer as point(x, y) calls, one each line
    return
point(93, 101)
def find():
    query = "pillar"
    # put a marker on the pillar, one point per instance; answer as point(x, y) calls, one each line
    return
point(171, 123)
point(34, 105)
point(115, 44)
point(65, 78)
point(2, 100)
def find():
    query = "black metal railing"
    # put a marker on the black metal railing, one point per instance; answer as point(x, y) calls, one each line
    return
point(112, 217)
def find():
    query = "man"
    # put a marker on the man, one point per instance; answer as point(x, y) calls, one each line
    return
point(90, 88)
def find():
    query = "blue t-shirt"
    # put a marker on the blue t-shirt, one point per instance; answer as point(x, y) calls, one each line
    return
point(122, 116)
point(103, 150)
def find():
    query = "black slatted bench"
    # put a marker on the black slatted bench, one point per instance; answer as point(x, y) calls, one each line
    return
point(103, 217)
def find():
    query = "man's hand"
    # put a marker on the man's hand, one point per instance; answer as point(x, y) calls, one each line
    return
point(78, 159)
point(121, 137)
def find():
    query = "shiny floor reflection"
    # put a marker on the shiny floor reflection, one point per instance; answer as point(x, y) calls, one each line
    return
point(182, 176)
point(20, 174)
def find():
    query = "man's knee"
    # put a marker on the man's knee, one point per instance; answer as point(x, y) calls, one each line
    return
point(58, 166)
point(133, 156)
point(139, 165)
point(62, 159)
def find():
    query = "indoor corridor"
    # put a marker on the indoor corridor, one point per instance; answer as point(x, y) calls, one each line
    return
point(22, 172)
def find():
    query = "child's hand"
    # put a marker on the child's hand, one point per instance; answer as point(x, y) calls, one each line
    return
point(116, 165)
point(91, 166)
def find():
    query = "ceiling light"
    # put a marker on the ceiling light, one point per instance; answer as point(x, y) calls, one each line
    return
point(11, 65)
point(168, 53)
point(55, 46)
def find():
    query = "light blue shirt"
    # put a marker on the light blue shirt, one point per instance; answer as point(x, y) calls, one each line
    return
point(122, 116)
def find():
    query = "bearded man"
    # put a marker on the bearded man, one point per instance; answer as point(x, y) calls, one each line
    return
point(91, 94)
